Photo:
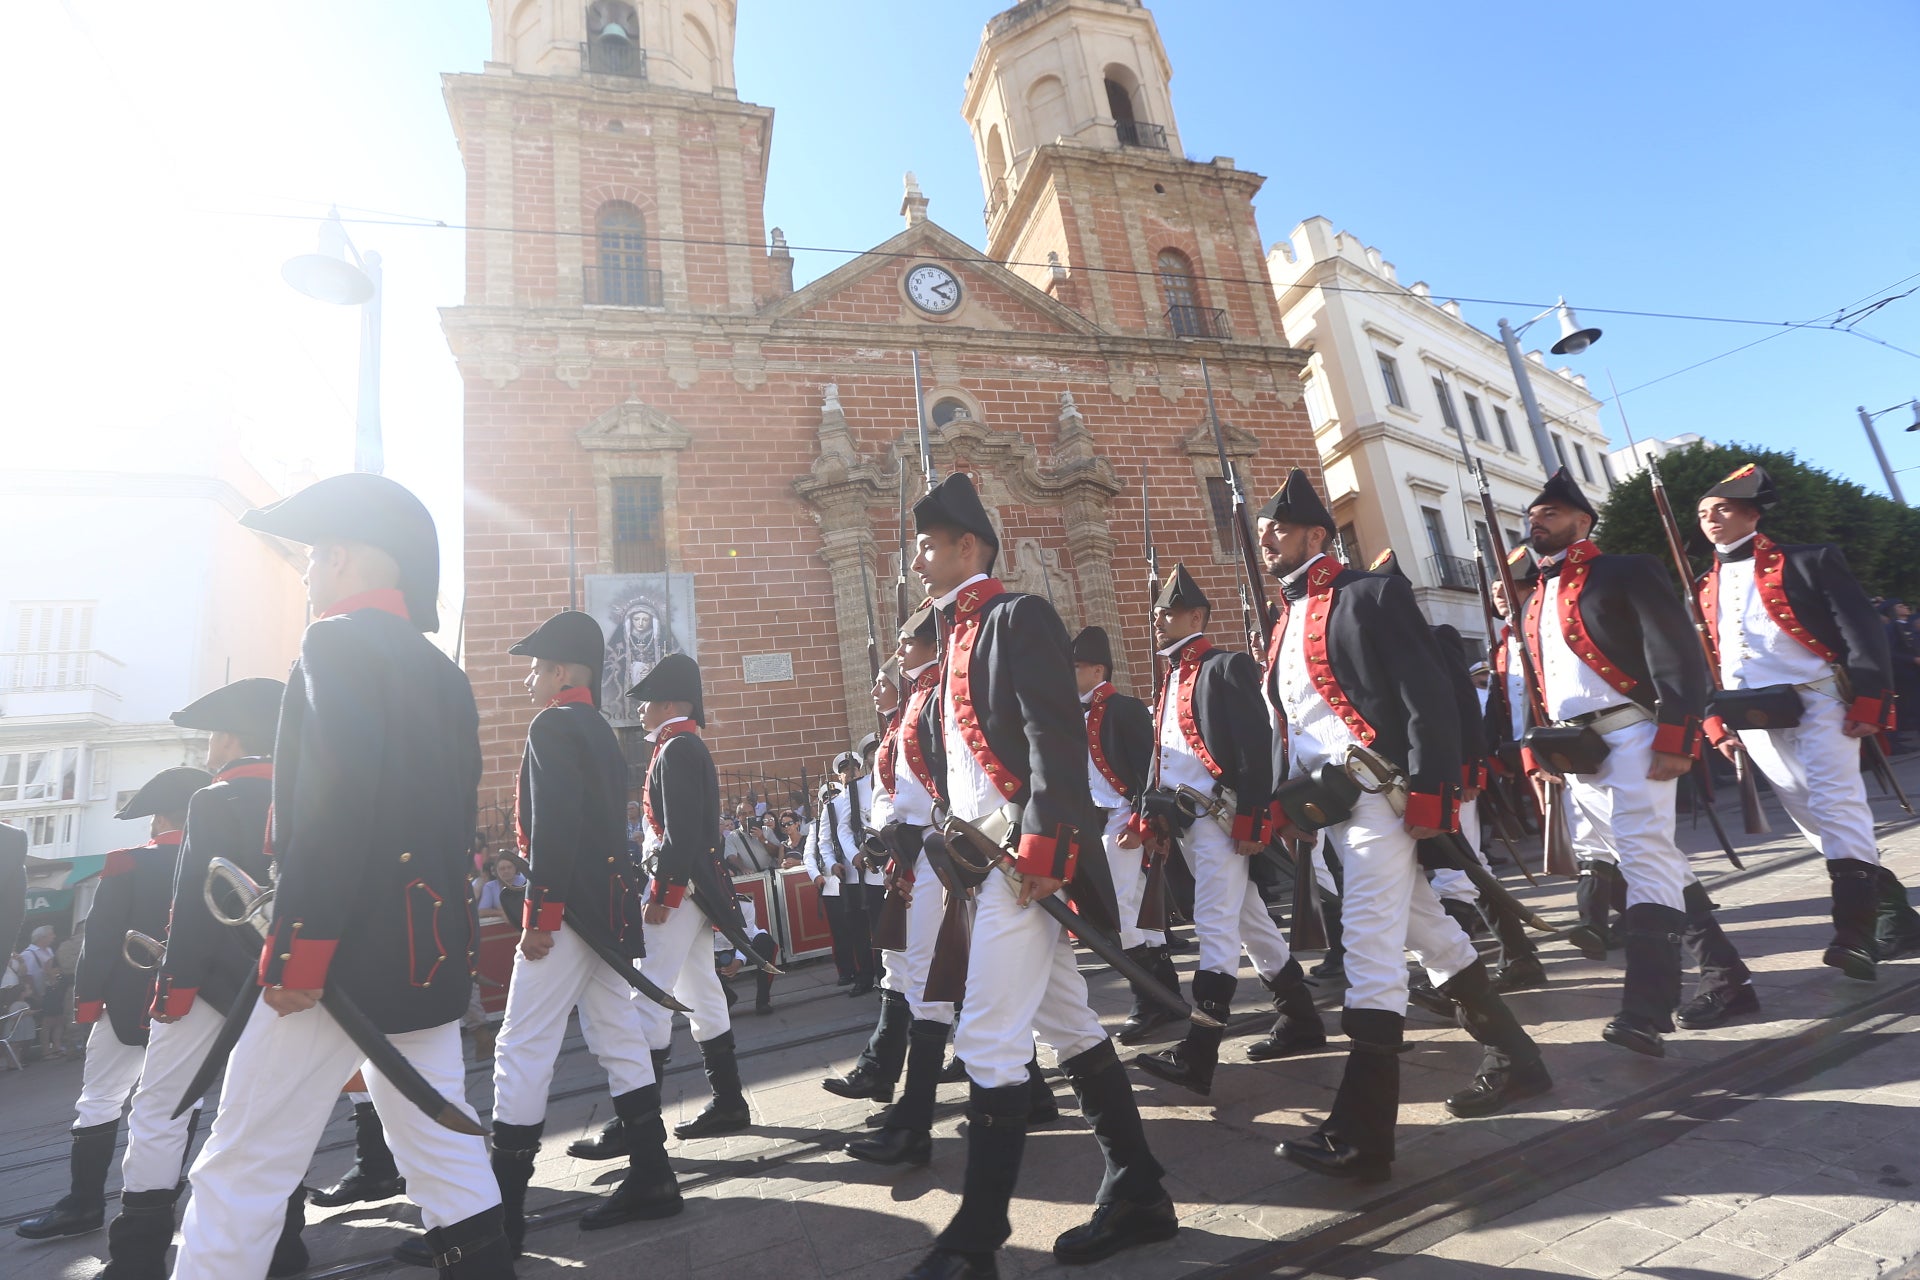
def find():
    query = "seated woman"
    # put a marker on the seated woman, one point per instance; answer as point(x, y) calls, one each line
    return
point(503, 897)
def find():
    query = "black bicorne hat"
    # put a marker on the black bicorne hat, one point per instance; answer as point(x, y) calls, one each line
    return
point(1524, 568)
point(1387, 564)
point(568, 636)
point(246, 708)
point(362, 507)
point(166, 792)
point(1093, 646)
point(920, 625)
point(675, 678)
point(1748, 483)
point(955, 504)
point(1182, 592)
point(1297, 503)
point(1561, 489)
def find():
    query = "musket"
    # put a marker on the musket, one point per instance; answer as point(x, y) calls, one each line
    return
point(920, 415)
point(573, 572)
point(1554, 836)
point(873, 642)
point(255, 914)
point(902, 594)
point(1752, 815)
point(1152, 915)
point(1242, 522)
point(1489, 619)
point(598, 943)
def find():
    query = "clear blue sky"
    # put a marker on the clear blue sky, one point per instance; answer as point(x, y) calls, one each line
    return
point(1753, 160)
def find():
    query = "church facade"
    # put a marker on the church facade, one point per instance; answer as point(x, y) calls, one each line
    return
point(729, 451)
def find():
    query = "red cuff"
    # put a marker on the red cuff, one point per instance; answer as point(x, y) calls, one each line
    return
point(1429, 809)
point(1139, 826)
point(663, 893)
point(1244, 827)
point(1871, 711)
point(1055, 857)
point(172, 1001)
point(89, 1010)
point(543, 916)
point(1678, 739)
point(1716, 730)
point(303, 965)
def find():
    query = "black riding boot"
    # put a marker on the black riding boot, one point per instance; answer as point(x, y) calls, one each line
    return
point(1856, 885)
point(1298, 1028)
point(1045, 1109)
point(649, 1190)
point(472, 1249)
point(878, 1069)
point(84, 1207)
point(1652, 987)
point(1466, 915)
point(514, 1147)
point(1593, 897)
point(373, 1176)
point(996, 1137)
point(1520, 966)
point(1148, 1015)
point(762, 991)
point(1132, 1207)
point(1896, 930)
point(728, 1112)
point(1334, 963)
point(907, 1137)
point(1356, 1139)
point(138, 1237)
point(290, 1251)
point(1190, 1063)
point(1511, 1069)
point(1726, 987)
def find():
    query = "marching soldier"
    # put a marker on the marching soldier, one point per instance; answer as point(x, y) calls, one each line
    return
point(1625, 687)
point(207, 965)
point(1351, 681)
point(1012, 734)
point(1519, 960)
point(377, 765)
point(1212, 740)
point(849, 890)
point(1801, 647)
point(133, 893)
point(1119, 760)
point(569, 817)
point(682, 851)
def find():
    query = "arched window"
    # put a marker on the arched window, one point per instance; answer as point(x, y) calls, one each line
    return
point(1046, 110)
point(1119, 104)
point(1176, 285)
point(948, 409)
point(622, 278)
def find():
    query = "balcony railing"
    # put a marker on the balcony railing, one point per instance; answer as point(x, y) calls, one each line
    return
point(996, 201)
point(1453, 573)
point(1138, 133)
point(1197, 322)
point(624, 287)
point(58, 671)
point(614, 58)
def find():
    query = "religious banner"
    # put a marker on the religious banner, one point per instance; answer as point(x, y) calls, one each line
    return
point(645, 617)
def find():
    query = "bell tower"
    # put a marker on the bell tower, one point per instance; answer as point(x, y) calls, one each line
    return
point(1089, 194)
point(679, 44)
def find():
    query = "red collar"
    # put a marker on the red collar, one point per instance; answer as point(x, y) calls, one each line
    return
point(166, 840)
point(246, 769)
point(385, 599)
point(974, 598)
point(573, 694)
point(668, 733)
point(1582, 551)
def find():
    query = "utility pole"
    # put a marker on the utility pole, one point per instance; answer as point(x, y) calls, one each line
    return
point(1886, 468)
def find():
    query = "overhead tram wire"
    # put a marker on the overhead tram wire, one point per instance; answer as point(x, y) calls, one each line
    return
point(439, 224)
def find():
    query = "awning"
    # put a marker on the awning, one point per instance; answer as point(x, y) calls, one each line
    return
point(83, 867)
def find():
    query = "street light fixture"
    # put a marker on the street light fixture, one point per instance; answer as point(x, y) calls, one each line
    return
point(340, 274)
point(1573, 341)
point(1880, 454)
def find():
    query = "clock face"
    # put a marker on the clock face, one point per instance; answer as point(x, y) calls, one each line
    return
point(933, 289)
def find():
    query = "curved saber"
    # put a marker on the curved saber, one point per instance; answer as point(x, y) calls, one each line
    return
point(255, 914)
point(153, 951)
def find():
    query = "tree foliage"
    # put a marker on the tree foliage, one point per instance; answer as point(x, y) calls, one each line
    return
point(1878, 535)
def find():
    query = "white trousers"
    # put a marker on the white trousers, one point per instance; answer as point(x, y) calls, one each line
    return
point(281, 1085)
point(1129, 884)
point(1450, 883)
point(543, 992)
point(1815, 770)
point(1620, 816)
point(1022, 981)
point(1228, 911)
point(1389, 909)
point(108, 1078)
point(156, 1142)
point(680, 960)
point(906, 971)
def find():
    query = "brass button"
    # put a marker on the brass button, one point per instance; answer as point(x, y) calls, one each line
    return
point(406, 857)
point(285, 956)
point(609, 861)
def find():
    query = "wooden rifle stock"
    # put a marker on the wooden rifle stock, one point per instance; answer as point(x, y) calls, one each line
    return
point(947, 972)
point(1153, 897)
point(1307, 928)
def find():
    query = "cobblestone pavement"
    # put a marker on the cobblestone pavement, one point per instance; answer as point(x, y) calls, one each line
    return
point(1786, 1145)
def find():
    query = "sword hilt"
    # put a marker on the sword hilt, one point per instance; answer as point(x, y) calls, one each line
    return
point(256, 909)
point(152, 949)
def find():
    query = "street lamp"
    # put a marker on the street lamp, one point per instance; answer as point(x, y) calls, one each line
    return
point(1873, 438)
point(339, 273)
point(1573, 340)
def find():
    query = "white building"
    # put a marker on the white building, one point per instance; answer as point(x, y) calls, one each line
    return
point(1397, 385)
point(127, 594)
point(1632, 459)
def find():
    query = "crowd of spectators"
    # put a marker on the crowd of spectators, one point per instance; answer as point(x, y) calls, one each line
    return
point(39, 979)
point(1903, 642)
